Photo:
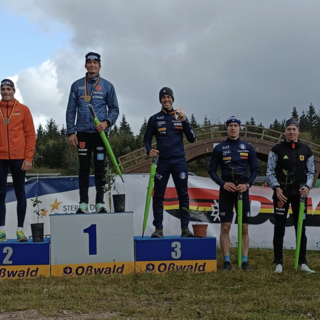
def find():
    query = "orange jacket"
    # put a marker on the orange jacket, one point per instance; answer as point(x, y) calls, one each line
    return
point(18, 138)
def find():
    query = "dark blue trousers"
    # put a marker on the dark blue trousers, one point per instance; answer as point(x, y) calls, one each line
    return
point(177, 167)
point(18, 177)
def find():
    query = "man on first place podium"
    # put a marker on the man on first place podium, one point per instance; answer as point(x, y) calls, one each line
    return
point(168, 126)
point(83, 134)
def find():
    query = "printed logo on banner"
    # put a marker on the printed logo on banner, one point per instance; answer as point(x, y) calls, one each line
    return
point(150, 267)
point(82, 145)
point(67, 271)
point(183, 175)
point(100, 156)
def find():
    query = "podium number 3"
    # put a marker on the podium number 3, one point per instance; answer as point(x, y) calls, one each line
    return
point(176, 253)
point(9, 252)
point(92, 232)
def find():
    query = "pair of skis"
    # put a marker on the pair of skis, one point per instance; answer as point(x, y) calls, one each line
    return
point(299, 229)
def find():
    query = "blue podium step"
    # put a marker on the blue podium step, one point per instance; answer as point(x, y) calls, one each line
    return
point(24, 259)
point(175, 254)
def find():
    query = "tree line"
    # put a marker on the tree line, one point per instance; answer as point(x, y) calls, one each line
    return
point(53, 151)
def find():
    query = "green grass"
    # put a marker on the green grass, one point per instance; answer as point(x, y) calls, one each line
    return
point(261, 294)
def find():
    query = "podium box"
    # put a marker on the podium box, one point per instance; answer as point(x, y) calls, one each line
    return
point(21, 260)
point(175, 254)
point(91, 243)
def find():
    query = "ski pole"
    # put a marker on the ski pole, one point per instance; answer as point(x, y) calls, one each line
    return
point(106, 142)
point(239, 228)
point(150, 186)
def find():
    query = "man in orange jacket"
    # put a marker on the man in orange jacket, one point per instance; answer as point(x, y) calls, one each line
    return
point(17, 145)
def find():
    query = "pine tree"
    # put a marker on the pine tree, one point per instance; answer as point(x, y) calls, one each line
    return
point(295, 114)
point(125, 126)
point(52, 130)
point(193, 122)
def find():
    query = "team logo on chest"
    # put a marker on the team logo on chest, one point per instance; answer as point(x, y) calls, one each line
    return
point(242, 146)
point(301, 158)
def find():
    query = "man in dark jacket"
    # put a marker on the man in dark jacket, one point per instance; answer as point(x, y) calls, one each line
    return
point(290, 172)
point(83, 134)
point(234, 157)
point(168, 126)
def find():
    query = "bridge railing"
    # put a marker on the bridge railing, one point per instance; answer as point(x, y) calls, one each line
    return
point(215, 131)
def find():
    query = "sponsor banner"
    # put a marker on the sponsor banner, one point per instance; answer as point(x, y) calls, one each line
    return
point(77, 270)
point(196, 266)
point(61, 195)
point(24, 272)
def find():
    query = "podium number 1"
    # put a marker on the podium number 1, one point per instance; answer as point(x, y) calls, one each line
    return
point(176, 254)
point(92, 232)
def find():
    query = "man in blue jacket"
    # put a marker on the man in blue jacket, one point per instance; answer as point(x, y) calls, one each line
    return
point(168, 127)
point(83, 134)
point(234, 157)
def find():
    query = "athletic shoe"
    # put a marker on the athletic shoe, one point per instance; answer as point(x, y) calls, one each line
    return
point(245, 266)
point(100, 208)
point(21, 237)
point(305, 268)
point(83, 208)
point(227, 266)
point(3, 236)
point(278, 268)
point(186, 233)
point(157, 234)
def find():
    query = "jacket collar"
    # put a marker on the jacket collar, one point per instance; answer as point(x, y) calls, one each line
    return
point(93, 79)
point(292, 145)
point(5, 104)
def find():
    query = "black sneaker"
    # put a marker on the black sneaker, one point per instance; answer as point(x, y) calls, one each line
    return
point(245, 266)
point(186, 233)
point(227, 266)
point(157, 234)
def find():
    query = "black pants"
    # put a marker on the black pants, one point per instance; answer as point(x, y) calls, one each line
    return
point(88, 143)
point(179, 170)
point(280, 214)
point(18, 177)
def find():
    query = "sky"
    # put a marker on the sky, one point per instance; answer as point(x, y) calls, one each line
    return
point(249, 58)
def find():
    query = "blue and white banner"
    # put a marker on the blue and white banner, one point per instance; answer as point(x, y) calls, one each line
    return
point(61, 195)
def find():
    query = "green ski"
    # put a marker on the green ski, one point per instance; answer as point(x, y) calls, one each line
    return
point(239, 228)
point(299, 231)
point(106, 142)
point(150, 186)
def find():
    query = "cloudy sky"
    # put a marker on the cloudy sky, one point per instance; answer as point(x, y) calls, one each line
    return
point(221, 58)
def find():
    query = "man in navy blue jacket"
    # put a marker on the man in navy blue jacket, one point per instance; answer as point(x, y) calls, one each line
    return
point(168, 126)
point(83, 134)
point(234, 157)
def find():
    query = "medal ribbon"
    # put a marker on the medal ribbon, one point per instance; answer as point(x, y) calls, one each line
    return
point(170, 112)
point(10, 113)
point(86, 90)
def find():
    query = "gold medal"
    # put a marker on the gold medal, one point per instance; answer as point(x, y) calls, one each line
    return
point(6, 121)
point(87, 98)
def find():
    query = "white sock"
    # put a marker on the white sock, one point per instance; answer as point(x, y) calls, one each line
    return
point(19, 229)
point(1, 228)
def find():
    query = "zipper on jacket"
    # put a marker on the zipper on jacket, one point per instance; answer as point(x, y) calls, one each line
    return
point(8, 130)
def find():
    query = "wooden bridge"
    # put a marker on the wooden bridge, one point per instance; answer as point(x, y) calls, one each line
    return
point(262, 139)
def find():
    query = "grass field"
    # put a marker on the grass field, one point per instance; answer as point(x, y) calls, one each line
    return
point(177, 295)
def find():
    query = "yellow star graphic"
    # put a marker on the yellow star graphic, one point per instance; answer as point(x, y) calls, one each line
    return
point(44, 213)
point(55, 205)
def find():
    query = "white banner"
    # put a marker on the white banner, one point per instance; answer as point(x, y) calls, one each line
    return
point(61, 195)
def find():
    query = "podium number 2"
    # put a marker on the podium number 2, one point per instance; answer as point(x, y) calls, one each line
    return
point(176, 253)
point(9, 252)
point(92, 232)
